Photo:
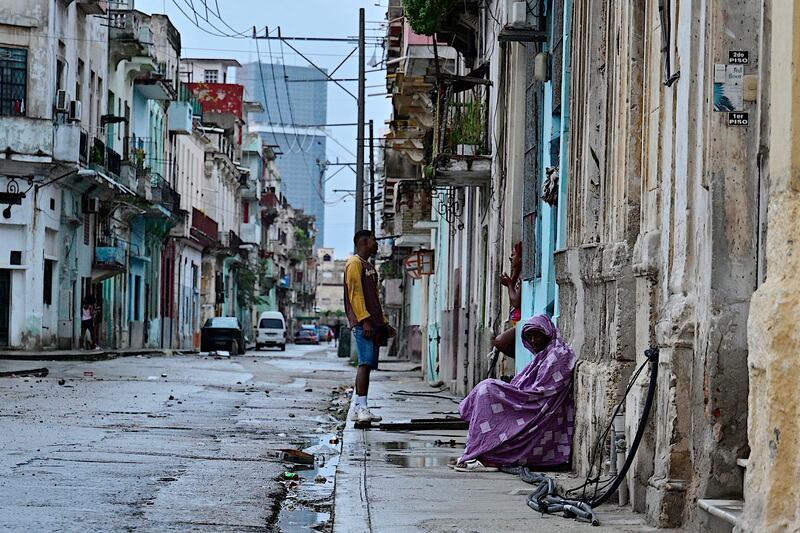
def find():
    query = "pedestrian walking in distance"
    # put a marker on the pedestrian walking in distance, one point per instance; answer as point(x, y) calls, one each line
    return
point(365, 314)
point(87, 324)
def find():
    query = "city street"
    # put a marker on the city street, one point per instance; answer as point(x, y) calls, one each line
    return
point(170, 443)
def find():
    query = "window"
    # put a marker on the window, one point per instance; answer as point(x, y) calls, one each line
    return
point(47, 295)
point(15, 258)
point(271, 323)
point(211, 75)
point(246, 212)
point(137, 297)
point(13, 81)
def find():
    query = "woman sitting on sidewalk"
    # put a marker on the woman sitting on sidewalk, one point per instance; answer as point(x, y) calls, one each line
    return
point(528, 422)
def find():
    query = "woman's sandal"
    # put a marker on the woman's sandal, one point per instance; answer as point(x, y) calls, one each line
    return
point(474, 466)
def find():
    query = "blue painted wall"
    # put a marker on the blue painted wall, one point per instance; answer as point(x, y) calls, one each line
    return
point(540, 295)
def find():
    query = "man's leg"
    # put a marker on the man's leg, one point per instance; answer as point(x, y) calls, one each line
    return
point(362, 380)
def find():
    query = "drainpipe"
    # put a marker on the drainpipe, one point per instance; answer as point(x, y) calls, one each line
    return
point(617, 454)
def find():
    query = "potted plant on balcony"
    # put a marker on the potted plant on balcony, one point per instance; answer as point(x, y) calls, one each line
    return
point(466, 133)
point(96, 156)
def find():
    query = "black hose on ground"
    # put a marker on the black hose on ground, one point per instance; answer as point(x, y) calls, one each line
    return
point(652, 356)
point(545, 499)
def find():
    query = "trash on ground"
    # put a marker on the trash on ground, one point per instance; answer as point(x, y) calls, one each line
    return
point(320, 479)
point(289, 475)
point(296, 456)
point(88, 374)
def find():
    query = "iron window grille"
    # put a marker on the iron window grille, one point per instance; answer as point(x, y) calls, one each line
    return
point(13, 81)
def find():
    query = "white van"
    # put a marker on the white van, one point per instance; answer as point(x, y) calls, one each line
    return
point(271, 330)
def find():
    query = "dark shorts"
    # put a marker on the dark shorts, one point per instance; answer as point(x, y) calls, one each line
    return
point(366, 348)
point(87, 324)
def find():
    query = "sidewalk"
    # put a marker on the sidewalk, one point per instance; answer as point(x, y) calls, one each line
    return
point(84, 355)
point(398, 481)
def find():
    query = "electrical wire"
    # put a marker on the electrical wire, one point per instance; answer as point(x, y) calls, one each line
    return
point(195, 22)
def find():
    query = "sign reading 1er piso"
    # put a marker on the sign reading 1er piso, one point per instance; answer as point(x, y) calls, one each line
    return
point(729, 86)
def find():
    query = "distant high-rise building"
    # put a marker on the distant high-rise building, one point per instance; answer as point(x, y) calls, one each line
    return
point(294, 100)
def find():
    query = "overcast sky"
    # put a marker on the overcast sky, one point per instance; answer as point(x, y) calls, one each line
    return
point(318, 18)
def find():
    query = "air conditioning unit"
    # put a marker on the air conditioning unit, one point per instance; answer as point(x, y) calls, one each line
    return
point(93, 205)
point(74, 111)
point(62, 104)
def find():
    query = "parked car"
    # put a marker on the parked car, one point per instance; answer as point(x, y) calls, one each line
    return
point(306, 336)
point(271, 330)
point(222, 333)
point(324, 334)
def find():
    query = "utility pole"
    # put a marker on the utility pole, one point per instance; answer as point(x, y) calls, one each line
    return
point(371, 178)
point(360, 135)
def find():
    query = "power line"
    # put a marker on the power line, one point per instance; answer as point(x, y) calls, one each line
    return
point(200, 27)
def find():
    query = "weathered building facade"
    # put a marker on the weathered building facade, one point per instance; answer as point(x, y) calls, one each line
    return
point(631, 150)
point(125, 186)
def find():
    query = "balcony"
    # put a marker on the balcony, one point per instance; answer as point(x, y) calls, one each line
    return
point(462, 152)
point(163, 194)
point(204, 228)
point(67, 143)
point(93, 7)
point(110, 258)
point(179, 117)
point(251, 232)
point(130, 38)
point(230, 240)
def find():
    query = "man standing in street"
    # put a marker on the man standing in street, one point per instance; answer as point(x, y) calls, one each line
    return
point(365, 314)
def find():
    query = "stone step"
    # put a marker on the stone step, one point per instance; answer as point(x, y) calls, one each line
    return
point(720, 516)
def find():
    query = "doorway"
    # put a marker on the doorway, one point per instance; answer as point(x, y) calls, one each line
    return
point(5, 306)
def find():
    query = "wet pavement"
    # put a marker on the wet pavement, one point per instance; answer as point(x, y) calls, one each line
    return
point(398, 481)
point(180, 443)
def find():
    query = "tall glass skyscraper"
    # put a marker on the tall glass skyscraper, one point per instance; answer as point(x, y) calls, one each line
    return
point(294, 98)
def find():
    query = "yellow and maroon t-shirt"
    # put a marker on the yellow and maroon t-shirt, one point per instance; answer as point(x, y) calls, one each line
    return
point(361, 292)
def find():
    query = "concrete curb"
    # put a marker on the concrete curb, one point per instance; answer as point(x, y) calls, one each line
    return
point(81, 355)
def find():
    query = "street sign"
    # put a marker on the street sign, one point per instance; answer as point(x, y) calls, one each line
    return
point(738, 119)
point(739, 57)
point(11, 198)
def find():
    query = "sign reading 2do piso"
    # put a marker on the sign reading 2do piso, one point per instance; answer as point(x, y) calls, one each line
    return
point(738, 57)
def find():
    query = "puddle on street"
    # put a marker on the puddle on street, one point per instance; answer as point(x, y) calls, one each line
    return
point(315, 490)
point(417, 445)
point(417, 461)
point(298, 520)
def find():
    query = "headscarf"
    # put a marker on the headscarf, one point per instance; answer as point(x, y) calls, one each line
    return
point(543, 324)
point(557, 355)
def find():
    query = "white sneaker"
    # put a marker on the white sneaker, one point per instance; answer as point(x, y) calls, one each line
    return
point(354, 415)
point(365, 415)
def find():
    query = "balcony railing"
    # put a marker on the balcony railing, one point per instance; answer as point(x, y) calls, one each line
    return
point(163, 193)
point(83, 156)
point(229, 239)
point(110, 254)
point(110, 161)
point(129, 35)
point(461, 146)
point(204, 228)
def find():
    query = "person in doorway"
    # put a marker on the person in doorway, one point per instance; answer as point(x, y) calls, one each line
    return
point(87, 324)
point(530, 421)
point(365, 314)
point(505, 343)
